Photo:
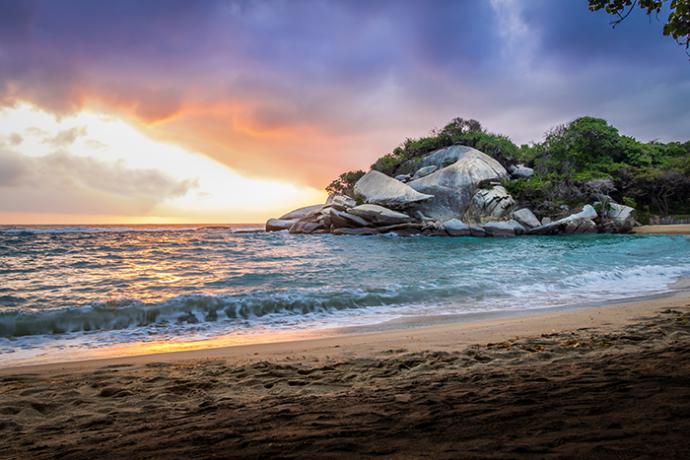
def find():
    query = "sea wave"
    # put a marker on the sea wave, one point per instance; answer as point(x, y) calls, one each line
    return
point(193, 309)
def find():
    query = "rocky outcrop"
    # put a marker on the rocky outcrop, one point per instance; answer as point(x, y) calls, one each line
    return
point(340, 219)
point(618, 218)
point(490, 204)
point(503, 228)
point(380, 215)
point(286, 221)
point(521, 171)
point(377, 188)
point(276, 225)
point(301, 212)
point(356, 231)
point(340, 202)
point(452, 186)
point(425, 171)
point(526, 218)
point(455, 191)
point(456, 227)
point(581, 222)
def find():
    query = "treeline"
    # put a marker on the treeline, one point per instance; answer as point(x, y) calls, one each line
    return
point(574, 164)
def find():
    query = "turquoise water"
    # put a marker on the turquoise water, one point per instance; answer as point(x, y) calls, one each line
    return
point(89, 287)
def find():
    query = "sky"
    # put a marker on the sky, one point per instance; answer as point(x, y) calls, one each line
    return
point(235, 111)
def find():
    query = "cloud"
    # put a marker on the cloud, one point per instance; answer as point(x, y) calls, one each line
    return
point(61, 182)
point(66, 137)
point(304, 89)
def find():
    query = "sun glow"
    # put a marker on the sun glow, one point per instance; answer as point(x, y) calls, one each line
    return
point(194, 187)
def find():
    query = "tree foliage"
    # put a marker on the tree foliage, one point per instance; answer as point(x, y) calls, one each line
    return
point(576, 163)
point(677, 24)
point(345, 183)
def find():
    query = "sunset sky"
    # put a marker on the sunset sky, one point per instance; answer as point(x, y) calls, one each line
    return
point(233, 111)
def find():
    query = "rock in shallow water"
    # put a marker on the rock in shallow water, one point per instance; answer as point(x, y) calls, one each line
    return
point(526, 218)
point(503, 228)
point(456, 227)
point(276, 225)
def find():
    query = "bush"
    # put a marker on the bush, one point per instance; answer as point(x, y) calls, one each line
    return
point(345, 183)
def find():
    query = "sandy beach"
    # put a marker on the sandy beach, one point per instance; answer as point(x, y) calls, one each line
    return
point(677, 229)
point(601, 382)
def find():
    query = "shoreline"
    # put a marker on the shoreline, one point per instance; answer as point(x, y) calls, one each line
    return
point(594, 382)
point(421, 331)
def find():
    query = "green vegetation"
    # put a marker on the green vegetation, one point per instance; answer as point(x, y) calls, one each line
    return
point(588, 158)
point(459, 131)
point(577, 163)
point(345, 183)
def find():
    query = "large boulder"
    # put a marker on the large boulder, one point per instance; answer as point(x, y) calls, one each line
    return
point(490, 204)
point(503, 228)
point(619, 218)
point(276, 225)
point(301, 212)
point(456, 227)
point(581, 222)
point(521, 171)
point(286, 221)
point(425, 171)
point(341, 219)
point(379, 215)
point(526, 218)
point(355, 231)
point(452, 186)
point(377, 188)
point(340, 202)
point(409, 228)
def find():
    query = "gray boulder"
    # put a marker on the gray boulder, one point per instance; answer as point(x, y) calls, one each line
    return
point(377, 188)
point(340, 202)
point(403, 178)
point(425, 171)
point(276, 225)
point(521, 171)
point(526, 218)
point(301, 212)
point(409, 228)
point(503, 228)
point(452, 186)
point(355, 231)
point(379, 215)
point(490, 204)
point(620, 217)
point(341, 219)
point(476, 230)
point(581, 222)
point(580, 226)
point(456, 227)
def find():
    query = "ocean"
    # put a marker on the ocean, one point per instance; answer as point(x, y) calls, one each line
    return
point(82, 291)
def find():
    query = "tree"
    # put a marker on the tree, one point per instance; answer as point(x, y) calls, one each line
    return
point(678, 22)
point(345, 183)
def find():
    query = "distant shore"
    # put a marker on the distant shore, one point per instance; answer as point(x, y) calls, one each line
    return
point(596, 381)
point(679, 229)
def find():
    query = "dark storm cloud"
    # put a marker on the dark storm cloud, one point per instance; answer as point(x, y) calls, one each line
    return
point(374, 72)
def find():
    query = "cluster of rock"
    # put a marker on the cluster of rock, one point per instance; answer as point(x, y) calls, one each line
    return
point(456, 191)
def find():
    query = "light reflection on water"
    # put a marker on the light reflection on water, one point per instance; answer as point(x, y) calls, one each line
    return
point(169, 287)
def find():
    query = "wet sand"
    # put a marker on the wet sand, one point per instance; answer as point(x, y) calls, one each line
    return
point(605, 382)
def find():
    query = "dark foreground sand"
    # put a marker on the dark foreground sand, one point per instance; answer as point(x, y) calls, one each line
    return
point(591, 387)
